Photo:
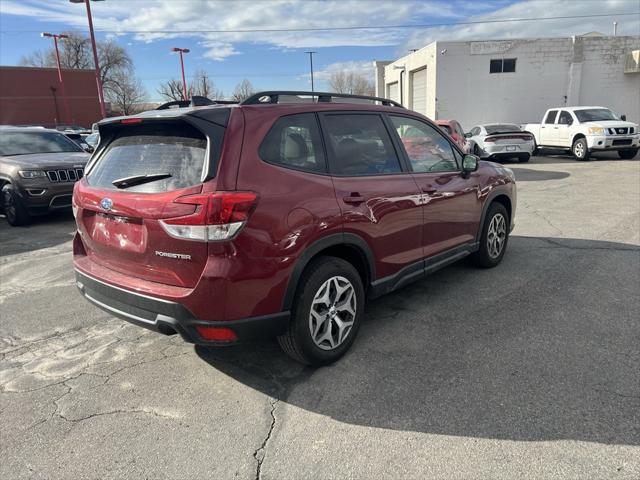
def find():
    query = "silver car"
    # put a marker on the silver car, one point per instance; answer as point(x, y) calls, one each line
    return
point(500, 141)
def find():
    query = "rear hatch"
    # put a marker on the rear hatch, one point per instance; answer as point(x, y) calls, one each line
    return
point(134, 182)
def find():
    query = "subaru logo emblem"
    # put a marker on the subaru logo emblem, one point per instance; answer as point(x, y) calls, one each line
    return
point(106, 203)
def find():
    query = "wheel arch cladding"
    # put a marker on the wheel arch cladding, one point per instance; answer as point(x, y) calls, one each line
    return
point(499, 196)
point(346, 246)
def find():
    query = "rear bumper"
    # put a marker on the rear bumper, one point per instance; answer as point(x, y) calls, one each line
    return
point(507, 151)
point(168, 317)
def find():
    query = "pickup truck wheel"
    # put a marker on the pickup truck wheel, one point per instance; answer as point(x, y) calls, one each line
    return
point(494, 237)
point(326, 314)
point(14, 210)
point(580, 149)
point(627, 154)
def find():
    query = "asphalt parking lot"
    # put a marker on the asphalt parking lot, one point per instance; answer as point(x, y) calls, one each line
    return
point(529, 370)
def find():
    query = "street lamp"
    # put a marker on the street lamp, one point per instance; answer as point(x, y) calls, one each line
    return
point(184, 82)
point(55, 37)
point(311, 62)
point(103, 112)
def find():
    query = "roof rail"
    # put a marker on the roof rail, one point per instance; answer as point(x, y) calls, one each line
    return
point(323, 97)
point(196, 101)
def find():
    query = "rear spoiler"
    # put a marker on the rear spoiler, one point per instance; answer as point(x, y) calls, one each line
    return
point(196, 101)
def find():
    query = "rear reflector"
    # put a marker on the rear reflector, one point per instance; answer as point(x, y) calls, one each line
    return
point(217, 334)
point(131, 120)
point(219, 216)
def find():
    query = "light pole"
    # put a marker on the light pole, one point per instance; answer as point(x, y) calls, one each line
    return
point(55, 37)
point(103, 112)
point(184, 82)
point(311, 63)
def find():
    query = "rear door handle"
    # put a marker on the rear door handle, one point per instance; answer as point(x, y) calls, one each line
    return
point(354, 198)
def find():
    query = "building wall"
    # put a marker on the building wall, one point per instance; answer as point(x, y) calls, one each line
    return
point(549, 72)
point(30, 95)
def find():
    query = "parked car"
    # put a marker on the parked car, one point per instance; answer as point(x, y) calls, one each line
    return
point(224, 223)
point(584, 130)
point(500, 141)
point(455, 131)
point(81, 141)
point(73, 129)
point(38, 168)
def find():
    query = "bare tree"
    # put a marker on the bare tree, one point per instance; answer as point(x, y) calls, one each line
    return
point(242, 91)
point(114, 62)
point(171, 89)
point(352, 83)
point(35, 59)
point(125, 93)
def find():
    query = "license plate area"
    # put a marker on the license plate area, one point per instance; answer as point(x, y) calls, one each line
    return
point(511, 148)
point(117, 232)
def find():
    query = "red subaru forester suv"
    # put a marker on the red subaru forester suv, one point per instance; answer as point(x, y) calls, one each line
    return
point(279, 216)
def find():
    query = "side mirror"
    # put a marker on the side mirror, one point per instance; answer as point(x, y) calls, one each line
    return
point(623, 118)
point(469, 164)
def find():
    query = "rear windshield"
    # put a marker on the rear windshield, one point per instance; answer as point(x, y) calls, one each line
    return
point(594, 114)
point(505, 128)
point(176, 149)
point(23, 143)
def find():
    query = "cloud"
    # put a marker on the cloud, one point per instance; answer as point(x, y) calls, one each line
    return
point(157, 18)
point(627, 25)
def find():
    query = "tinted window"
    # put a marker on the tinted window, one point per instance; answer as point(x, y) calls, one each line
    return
point(294, 142)
point(475, 131)
point(459, 129)
point(495, 66)
point(446, 128)
point(551, 116)
point(509, 65)
point(595, 114)
point(176, 149)
point(22, 143)
point(427, 149)
point(360, 144)
point(565, 118)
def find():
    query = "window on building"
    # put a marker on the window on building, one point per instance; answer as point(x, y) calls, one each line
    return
point(294, 142)
point(502, 65)
point(360, 144)
point(427, 149)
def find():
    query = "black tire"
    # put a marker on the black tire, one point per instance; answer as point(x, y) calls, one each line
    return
point(580, 149)
point(476, 150)
point(627, 154)
point(524, 158)
point(13, 208)
point(298, 342)
point(483, 257)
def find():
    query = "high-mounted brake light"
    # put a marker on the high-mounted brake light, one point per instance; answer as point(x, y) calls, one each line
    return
point(131, 120)
point(219, 216)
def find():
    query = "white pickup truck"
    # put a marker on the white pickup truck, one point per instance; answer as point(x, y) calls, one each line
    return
point(584, 130)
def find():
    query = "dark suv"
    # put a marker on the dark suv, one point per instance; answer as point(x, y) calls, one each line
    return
point(278, 216)
point(38, 168)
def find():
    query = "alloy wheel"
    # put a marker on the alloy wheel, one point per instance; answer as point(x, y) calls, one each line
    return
point(496, 235)
point(578, 150)
point(333, 312)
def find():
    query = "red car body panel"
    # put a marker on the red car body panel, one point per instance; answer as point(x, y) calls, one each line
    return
point(400, 220)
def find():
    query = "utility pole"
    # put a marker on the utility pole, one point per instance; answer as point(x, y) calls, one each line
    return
point(64, 94)
point(311, 64)
point(184, 81)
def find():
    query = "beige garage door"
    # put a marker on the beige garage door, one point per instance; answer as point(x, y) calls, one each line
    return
point(393, 92)
point(419, 91)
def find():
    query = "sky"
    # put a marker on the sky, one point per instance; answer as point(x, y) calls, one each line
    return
point(224, 42)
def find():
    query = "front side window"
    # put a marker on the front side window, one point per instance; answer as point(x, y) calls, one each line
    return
point(174, 149)
point(294, 142)
point(427, 149)
point(551, 116)
point(360, 144)
point(24, 143)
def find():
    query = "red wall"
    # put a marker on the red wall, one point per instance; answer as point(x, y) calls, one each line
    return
point(26, 97)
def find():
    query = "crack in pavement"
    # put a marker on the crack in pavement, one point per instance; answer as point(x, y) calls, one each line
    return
point(261, 452)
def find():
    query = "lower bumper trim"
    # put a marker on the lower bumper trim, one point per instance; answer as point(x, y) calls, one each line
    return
point(168, 318)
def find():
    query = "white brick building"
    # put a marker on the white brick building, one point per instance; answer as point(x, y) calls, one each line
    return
point(515, 80)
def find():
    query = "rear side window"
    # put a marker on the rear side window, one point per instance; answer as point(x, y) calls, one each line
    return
point(360, 144)
point(294, 142)
point(176, 149)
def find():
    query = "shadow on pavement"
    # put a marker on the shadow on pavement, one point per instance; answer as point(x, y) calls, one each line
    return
point(543, 347)
point(528, 175)
point(45, 231)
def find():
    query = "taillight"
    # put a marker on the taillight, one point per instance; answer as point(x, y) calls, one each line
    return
point(219, 216)
point(490, 140)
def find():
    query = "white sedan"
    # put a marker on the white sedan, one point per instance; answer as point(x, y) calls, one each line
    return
point(500, 141)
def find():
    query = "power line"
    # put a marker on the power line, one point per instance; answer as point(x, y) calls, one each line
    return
point(360, 27)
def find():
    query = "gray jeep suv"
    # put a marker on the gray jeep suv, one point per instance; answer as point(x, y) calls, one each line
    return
point(38, 168)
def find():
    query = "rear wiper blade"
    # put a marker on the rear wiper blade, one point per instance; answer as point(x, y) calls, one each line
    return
point(133, 180)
